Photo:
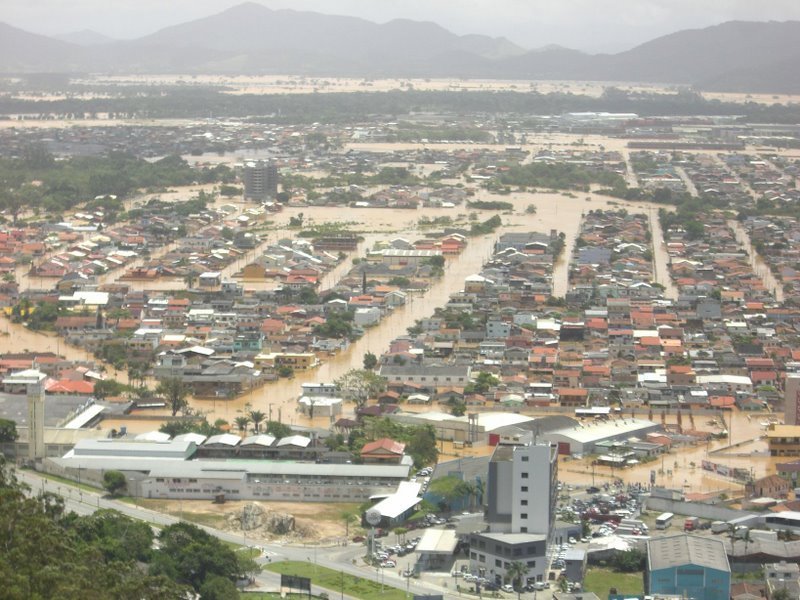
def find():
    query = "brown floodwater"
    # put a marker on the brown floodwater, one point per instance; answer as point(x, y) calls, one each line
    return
point(760, 266)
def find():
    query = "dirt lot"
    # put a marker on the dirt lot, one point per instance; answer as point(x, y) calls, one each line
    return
point(314, 522)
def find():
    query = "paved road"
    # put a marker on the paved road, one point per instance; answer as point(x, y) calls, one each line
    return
point(338, 558)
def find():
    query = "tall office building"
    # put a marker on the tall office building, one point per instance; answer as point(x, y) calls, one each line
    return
point(260, 180)
point(792, 398)
point(522, 489)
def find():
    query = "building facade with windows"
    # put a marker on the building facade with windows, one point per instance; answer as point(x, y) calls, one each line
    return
point(260, 180)
point(522, 492)
point(523, 489)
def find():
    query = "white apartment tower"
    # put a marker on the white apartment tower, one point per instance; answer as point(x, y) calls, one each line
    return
point(522, 489)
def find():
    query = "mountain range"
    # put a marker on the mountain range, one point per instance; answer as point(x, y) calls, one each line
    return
point(253, 39)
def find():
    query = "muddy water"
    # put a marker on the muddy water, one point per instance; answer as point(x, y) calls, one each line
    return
point(749, 452)
point(760, 267)
point(554, 211)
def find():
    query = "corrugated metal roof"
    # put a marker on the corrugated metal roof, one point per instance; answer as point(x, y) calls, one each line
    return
point(679, 550)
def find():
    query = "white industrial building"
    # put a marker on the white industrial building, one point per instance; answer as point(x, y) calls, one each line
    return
point(165, 470)
point(583, 438)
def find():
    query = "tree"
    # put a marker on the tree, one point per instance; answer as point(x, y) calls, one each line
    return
point(117, 536)
point(108, 387)
point(483, 382)
point(359, 385)
point(50, 554)
point(516, 571)
point(450, 489)
point(192, 556)
point(781, 594)
point(435, 261)
point(8, 431)
point(218, 588)
point(457, 408)
point(114, 482)
point(629, 561)
point(350, 518)
point(174, 391)
point(421, 446)
point(370, 361)
point(256, 417)
point(242, 422)
point(278, 429)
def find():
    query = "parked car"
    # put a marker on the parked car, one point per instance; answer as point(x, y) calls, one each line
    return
point(507, 588)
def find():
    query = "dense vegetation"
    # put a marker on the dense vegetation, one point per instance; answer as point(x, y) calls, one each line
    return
point(198, 101)
point(65, 183)
point(557, 176)
point(49, 553)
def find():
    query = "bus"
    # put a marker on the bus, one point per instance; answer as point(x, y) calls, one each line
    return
point(664, 520)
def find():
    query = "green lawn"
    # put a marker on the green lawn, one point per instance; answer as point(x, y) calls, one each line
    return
point(600, 581)
point(332, 580)
point(68, 482)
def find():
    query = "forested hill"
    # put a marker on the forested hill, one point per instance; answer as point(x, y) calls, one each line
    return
point(48, 553)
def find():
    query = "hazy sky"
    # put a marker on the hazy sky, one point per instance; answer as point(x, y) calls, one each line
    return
point(593, 25)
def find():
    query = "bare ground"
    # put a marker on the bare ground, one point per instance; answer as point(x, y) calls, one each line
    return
point(314, 522)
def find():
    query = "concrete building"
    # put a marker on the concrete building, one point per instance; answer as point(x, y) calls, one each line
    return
point(491, 554)
point(436, 549)
point(575, 564)
point(35, 391)
point(163, 470)
point(784, 440)
point(693, 566)
point(260, 180)
point(521, 495)
point(782, 576)
point(320, 406)
point(792, 400)
point(522, 489)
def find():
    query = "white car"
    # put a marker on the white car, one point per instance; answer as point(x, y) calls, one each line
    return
point(507, 588)
point(389, 564)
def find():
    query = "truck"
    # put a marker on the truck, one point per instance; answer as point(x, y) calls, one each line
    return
point(691, 524)
point(719, 527)
point(632, 527)
point(760, 534)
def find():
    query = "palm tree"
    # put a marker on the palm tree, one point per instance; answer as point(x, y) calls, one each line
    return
point(257, 417)
point(516, 572)
point(189, 279)
point(479, 488)
point(242, 422)
point(349, 518)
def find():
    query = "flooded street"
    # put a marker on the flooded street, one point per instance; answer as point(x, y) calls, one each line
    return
point(760, 267)
point(557, 211)
point(681, 468)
